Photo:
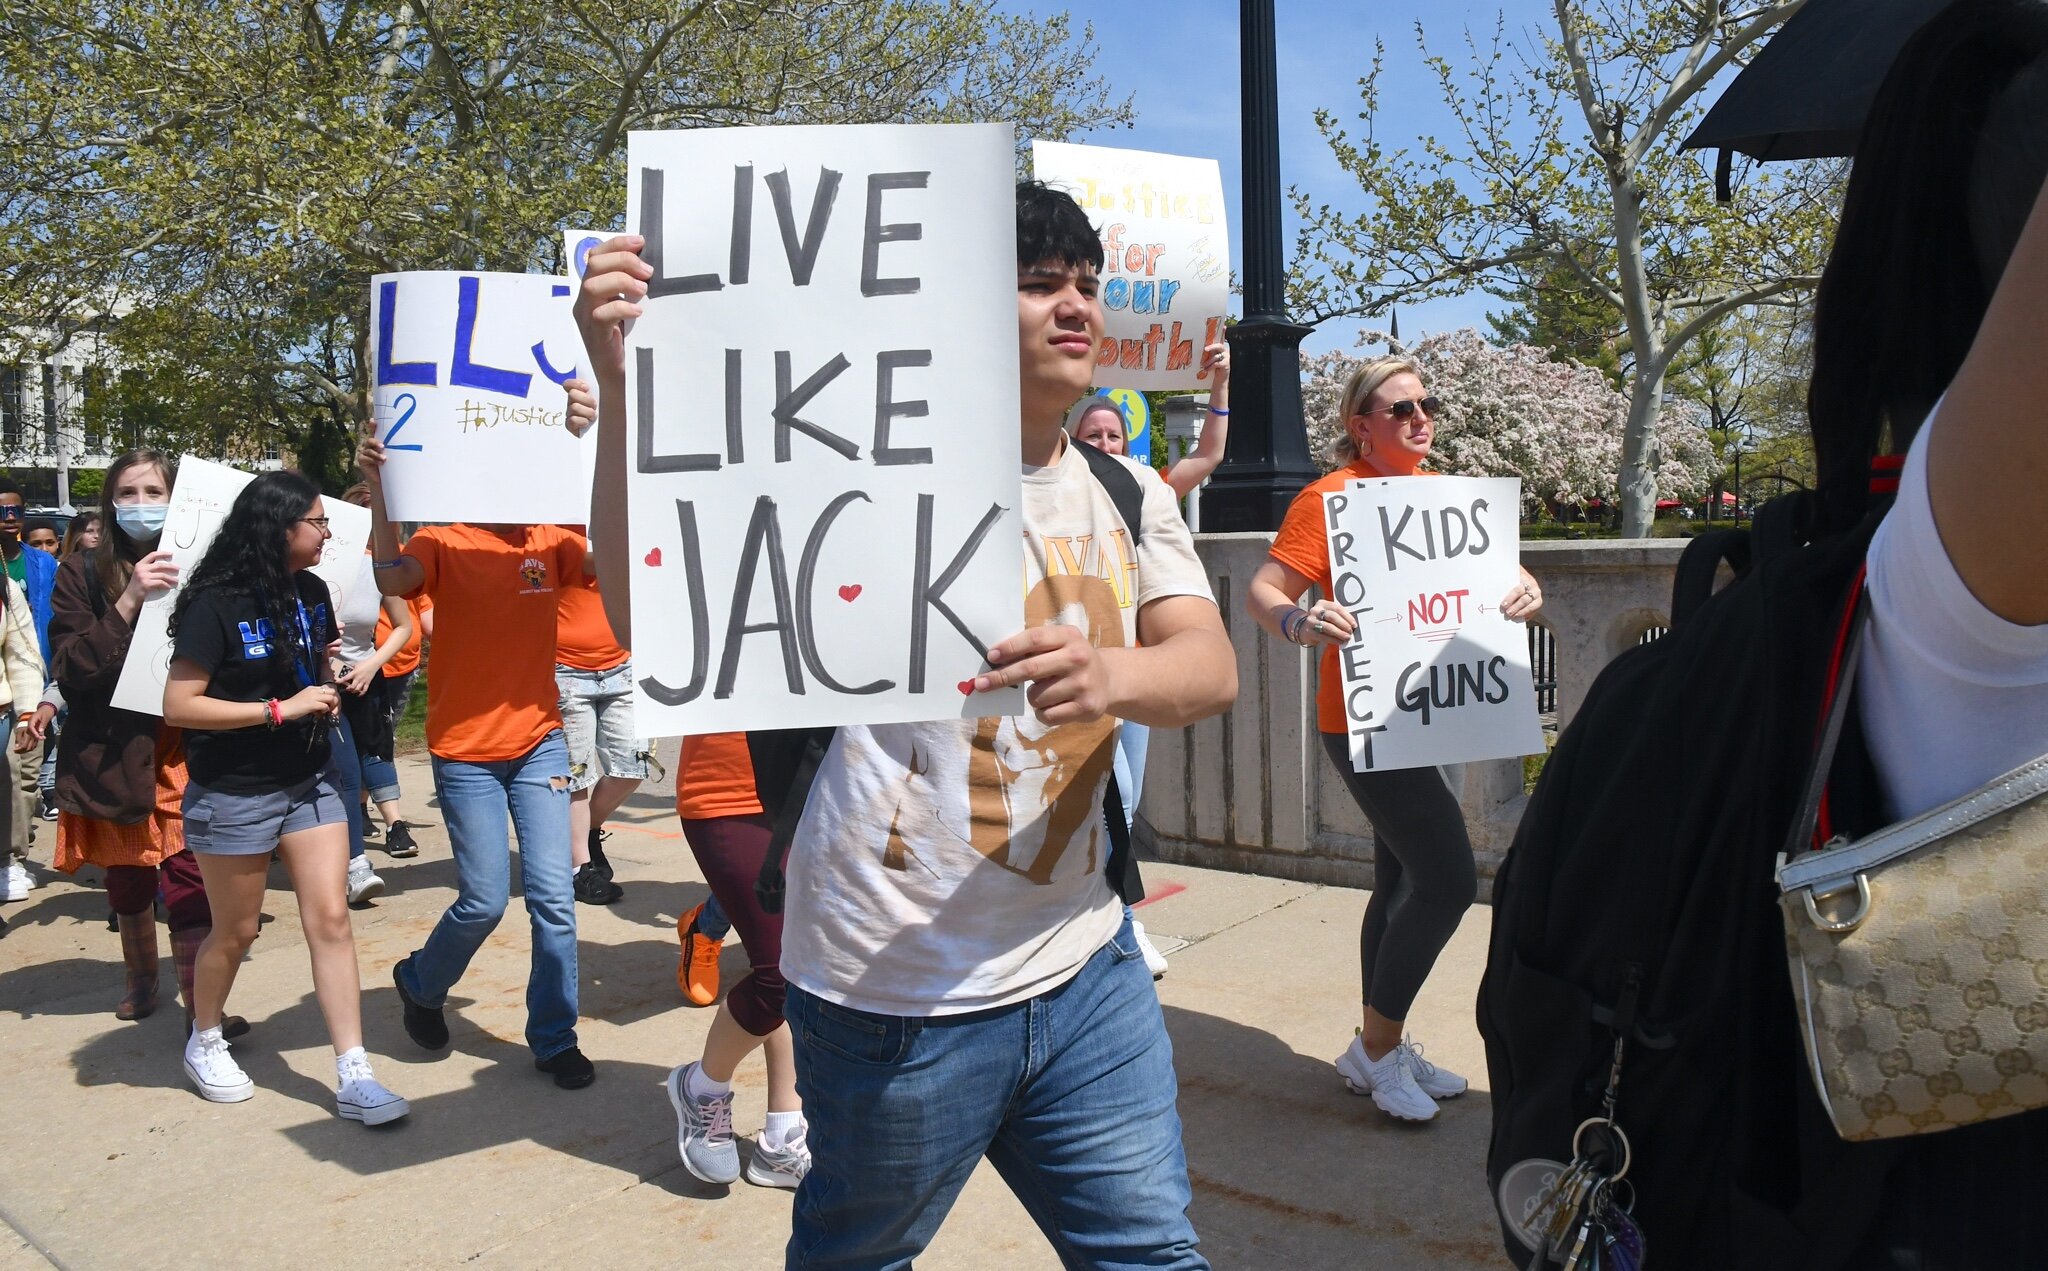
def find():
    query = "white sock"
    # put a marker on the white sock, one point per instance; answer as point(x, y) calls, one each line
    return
point(344, 1060)
point(701, 1087)
point(782, 1127)
point(205, 1037)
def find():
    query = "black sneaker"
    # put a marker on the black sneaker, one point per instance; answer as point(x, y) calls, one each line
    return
point(370, 830)
point(593, 885)
point(424, 1024)
point(47, 809)
point(399, 842)
point(569, 1068)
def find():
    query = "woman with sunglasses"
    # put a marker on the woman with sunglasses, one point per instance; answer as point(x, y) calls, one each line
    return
point(1424, 876)
point(249, 683)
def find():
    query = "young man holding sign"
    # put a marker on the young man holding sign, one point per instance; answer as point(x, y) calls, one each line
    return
point(962, 981)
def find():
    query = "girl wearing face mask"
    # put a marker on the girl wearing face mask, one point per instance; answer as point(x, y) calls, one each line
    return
point(121, 775)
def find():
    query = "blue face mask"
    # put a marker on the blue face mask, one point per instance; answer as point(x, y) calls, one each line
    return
point(141, 520)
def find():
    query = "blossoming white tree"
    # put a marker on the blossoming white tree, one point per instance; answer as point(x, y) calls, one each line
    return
point(1513, 412)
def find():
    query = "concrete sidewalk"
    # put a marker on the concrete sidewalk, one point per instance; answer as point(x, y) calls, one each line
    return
point(112, 1161)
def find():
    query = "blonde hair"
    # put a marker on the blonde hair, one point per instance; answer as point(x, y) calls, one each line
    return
point(1363, 382)
point(1093, 402)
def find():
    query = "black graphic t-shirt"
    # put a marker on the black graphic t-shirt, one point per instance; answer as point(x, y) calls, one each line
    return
point(227, 634)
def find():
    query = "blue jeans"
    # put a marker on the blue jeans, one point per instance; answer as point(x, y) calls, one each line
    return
point(345, 770)
point(1132, 741)
point(475, 800)
point(713, 922)
point(1070, 1096)
point(380, 775)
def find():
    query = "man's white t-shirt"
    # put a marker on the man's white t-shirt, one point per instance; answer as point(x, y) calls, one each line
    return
point(1952, 695)
point(956, 866)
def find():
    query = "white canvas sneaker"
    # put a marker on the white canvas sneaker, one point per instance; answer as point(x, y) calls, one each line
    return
point(216, 1074)
point(1389, 1081)
point(361, 1097)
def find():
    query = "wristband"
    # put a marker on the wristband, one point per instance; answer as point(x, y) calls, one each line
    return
point(393, 563)
point(1219, 410)
point(273, 713)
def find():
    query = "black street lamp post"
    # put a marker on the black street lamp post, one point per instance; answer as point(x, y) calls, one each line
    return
point(1267, 461)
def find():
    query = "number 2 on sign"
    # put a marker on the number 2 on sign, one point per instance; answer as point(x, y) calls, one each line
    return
point(411, 404)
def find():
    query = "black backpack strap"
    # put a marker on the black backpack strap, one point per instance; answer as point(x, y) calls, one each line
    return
point(1693, 585)
point(1122, 486)
point(1121, 870)
point(786, 764)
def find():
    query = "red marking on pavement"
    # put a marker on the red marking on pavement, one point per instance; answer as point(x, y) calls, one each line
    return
point(1170, 889)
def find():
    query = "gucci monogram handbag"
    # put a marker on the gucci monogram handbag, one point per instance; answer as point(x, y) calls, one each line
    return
point(1919, 953)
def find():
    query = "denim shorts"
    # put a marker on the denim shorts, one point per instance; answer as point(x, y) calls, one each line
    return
point(597, 724)
point(219, 823)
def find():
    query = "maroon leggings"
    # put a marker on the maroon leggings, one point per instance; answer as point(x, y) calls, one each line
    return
point(131, 889)
point(730, 849)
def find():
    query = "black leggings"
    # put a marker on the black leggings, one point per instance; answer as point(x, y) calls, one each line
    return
point(1424, 877)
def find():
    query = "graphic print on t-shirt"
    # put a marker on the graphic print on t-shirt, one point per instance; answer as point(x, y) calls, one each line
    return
point(534, 572)
point(256, 640)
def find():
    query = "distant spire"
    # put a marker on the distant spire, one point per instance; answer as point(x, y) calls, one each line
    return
point(1393, 329)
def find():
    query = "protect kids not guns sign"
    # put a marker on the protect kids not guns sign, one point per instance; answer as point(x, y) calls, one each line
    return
point(1434, 674)
point(1165, 283)
point(466, 386)
point(821, 404)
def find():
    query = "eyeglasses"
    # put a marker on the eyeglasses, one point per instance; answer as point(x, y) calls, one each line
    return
point(317, 522)
point(1406, 408)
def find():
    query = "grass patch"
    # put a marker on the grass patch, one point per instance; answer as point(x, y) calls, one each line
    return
point(410, 737)
point(1532, 765)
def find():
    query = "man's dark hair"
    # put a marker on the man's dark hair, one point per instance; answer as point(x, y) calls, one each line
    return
point(1051, 227)
point(8, 486)
point(38, 523)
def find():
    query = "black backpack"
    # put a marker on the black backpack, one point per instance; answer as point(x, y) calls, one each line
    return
point(786, 760)
point(1636, 906)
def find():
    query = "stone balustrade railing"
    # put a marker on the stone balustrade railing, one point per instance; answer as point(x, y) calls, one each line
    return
point(1252, 789)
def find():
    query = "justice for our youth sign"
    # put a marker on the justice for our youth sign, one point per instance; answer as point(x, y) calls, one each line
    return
point(199, 503)
point(1435, 673)
point(821, 398)
point(1166, 257)
point(466, 386)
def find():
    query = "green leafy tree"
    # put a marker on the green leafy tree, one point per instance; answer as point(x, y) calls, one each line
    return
point(1565, 161)
point(222, 177)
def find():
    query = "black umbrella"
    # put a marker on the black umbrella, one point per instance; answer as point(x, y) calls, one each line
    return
point(1806, 92)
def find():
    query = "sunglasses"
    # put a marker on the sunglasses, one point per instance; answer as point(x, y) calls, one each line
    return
point(1405, 408)
point(8, 512)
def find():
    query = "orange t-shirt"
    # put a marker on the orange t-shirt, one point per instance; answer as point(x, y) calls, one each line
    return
point(407, 659)
point(1303, 545)
point(583, 635)
point(491, 696)
point(716, 778)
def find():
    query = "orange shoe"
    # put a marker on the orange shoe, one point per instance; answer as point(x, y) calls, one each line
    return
point(697, 968)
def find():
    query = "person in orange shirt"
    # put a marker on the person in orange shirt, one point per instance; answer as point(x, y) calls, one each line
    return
point(1424, 876)
point(607, 758)
point(729, 834)
point(498, 755)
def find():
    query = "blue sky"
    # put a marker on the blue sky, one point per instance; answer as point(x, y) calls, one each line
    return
point(1180, 62)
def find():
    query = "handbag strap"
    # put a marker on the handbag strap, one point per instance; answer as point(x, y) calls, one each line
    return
point(1848, 654)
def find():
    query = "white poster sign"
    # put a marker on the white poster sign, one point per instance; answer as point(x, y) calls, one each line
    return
point(466, 385)
point(1166, 257)
point(822, 404)
point(577, 244)
point(1435, 673)
point(199, 503)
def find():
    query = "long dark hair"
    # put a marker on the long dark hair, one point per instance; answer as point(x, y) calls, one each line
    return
point(114, 559)
point(1947, 168)
point(249, 555)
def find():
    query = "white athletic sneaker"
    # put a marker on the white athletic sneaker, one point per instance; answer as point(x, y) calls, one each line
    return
point(1155, 961)
point(783, 1167)
point(19, 881)
point(704, 1130)
point(361, 1097)
point(1437, 1083)
point(363, 882)
point(1390, 1082)
point(216, 1074)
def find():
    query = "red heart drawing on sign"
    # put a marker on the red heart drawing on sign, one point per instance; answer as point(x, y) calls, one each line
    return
point(966, 687)
point(850, 593)
point(654, 556)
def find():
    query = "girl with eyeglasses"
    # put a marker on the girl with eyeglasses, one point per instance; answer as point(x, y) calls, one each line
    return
point(250, 683)
point(1424, 875)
